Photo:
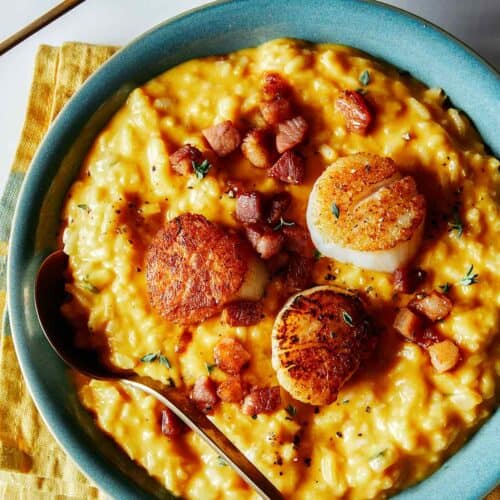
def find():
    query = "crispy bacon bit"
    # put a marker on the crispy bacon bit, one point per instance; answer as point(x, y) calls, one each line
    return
point(290, 168)
point(230, 356)
point(444, 355)
point(426, 337)
point(406, 279)
point(290, 133)
point(297, 239)
point(278, 204)
point(232, 390)
point(223, 138)
point(435, 306)
point(407, 323)
point(171, 425)
point(250, 207)
point(182, 160)
point(262, 400)
point(204, 394)
point(274, 84)
point(298, 273)
point(264, 240)
point(355, 110)
point(183, 342)
point(277, 110)
point(243, 313)
point(257, 148)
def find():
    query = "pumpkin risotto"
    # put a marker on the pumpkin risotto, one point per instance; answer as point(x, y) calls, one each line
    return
point(187, 239)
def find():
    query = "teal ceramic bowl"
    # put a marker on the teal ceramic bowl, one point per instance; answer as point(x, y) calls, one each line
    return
point(403, 40)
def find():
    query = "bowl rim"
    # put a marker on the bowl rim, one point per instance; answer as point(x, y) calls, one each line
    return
point(33, 187)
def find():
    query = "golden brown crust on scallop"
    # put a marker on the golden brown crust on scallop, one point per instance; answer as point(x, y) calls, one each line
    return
point(320, 338)
point(377, 207)
point(193, 268)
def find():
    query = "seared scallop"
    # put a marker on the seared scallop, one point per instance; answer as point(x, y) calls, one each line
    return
point(195, 267)
point(319, 339)
point(363, 211)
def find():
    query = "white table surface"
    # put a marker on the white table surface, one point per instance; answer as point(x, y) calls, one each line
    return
point(116, 22)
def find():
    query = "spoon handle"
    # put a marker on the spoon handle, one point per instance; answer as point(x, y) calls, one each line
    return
point(197, 421)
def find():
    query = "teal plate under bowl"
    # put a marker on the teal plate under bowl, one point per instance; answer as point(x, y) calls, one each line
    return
point(384, 32)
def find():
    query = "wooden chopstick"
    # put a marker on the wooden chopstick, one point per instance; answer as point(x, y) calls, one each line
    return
point(38, 24)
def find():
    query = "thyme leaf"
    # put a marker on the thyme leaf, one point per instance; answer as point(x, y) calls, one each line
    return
point(156, 356)
point(149, 358)
point(364, 78)
point(378, 455)
point(210, 367)
point(201, 169)
point(335, 210)
point(291, 410)
point(456, 224)
point(446, 287)
point(282, 223)
point(164, 361)
point(87, 285)
point(347, 318)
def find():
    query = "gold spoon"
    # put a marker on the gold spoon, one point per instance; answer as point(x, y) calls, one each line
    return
point(49, 295)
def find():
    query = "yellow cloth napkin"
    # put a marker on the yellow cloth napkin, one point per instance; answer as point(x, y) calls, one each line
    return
point(32, 465)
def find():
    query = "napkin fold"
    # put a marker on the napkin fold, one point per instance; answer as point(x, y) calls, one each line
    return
point(32, 465)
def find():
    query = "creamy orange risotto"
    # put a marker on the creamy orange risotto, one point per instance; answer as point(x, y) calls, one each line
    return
point(263, 122)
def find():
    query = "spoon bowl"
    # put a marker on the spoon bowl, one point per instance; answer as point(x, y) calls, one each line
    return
point(50, 294)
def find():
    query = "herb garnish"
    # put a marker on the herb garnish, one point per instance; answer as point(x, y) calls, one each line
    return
point(335, 210)
point(446, 287)
point(164, 361)
point(210, 367)
point(380, 454)
point(364, 78)
point(221, 461)
point(201, 169)
point(456, 224)
point(149, 358)
point(156, 356)
point(83, 206)
point(89, 286)
point(292, 412)
point(470, 278)
point(282, 223)
point(317, 255)
point(347, 318)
